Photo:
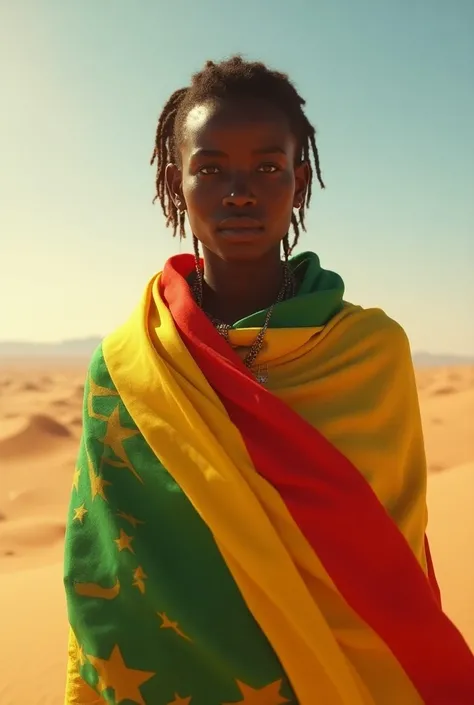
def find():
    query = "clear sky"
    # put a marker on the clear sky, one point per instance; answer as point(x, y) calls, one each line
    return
point(389, 85)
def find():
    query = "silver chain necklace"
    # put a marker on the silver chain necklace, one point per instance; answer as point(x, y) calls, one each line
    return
point(287, 291)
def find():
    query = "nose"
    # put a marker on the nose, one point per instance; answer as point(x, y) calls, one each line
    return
point(240, 196)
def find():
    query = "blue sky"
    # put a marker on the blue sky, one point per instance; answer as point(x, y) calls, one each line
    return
point(389, 86)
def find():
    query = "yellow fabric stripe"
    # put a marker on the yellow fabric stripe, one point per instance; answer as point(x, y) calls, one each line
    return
point(78, 692)
point(325, 649)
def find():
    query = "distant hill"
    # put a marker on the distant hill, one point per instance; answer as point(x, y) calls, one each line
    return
point(81, 348)
point(424, 359)
point(84, 347)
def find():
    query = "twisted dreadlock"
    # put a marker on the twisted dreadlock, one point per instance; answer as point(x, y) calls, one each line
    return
point(229, 79)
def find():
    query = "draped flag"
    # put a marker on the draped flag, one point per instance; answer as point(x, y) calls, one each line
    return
point(228, 543)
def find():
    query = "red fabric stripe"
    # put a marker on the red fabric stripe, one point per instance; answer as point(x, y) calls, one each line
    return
point(431, 573)
point(360, 546)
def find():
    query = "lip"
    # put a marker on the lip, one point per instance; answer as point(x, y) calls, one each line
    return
point(241, 225)
point(242, 236)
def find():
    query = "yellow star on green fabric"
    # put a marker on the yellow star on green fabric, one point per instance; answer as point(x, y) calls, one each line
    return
point(268, 695)
point(114, 673)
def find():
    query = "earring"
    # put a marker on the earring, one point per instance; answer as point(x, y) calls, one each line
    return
point(181, 218)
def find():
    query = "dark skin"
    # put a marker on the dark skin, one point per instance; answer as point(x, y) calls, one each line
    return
point(239, 180)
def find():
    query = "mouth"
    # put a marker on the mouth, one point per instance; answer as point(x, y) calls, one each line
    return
point(240, 227)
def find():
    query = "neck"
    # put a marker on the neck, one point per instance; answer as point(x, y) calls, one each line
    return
point(234, 290)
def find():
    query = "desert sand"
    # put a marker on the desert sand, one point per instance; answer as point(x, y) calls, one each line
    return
point(40, 425)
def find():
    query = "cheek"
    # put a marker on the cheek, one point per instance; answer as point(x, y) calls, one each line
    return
point(200, 200)
point(283, 191)
point(200, 194)
point(288, 180)
point(189, 185)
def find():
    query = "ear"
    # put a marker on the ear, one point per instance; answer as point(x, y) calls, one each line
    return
point(302, 174)
point(173, 180)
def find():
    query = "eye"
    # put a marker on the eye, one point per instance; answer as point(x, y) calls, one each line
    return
point(208, 170)
point(268, 168)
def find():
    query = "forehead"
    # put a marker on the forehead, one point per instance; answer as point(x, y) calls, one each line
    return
point(212, 124)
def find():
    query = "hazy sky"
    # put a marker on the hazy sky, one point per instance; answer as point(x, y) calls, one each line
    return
point(389, 85)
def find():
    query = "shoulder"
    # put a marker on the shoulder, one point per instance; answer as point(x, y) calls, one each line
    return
point(97, 372)
point(369, 332)
point(376, 321)
point(100, 396)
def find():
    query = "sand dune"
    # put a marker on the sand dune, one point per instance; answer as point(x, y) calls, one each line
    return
point(447, 405)
point(451, 537)
point(36, 434)
point(33, 675)
point(40, 421)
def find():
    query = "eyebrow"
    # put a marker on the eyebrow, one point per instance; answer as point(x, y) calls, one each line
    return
point(218, 153)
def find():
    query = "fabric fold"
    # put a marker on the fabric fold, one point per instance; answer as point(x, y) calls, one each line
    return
point(256, 545)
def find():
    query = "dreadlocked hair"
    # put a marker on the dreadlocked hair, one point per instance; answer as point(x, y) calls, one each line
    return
point(233, 78)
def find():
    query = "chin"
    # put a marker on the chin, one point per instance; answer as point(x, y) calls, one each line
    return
point(247, 252)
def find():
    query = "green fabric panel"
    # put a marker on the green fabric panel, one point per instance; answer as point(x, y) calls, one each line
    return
point(216, 640)
point(319, 298)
